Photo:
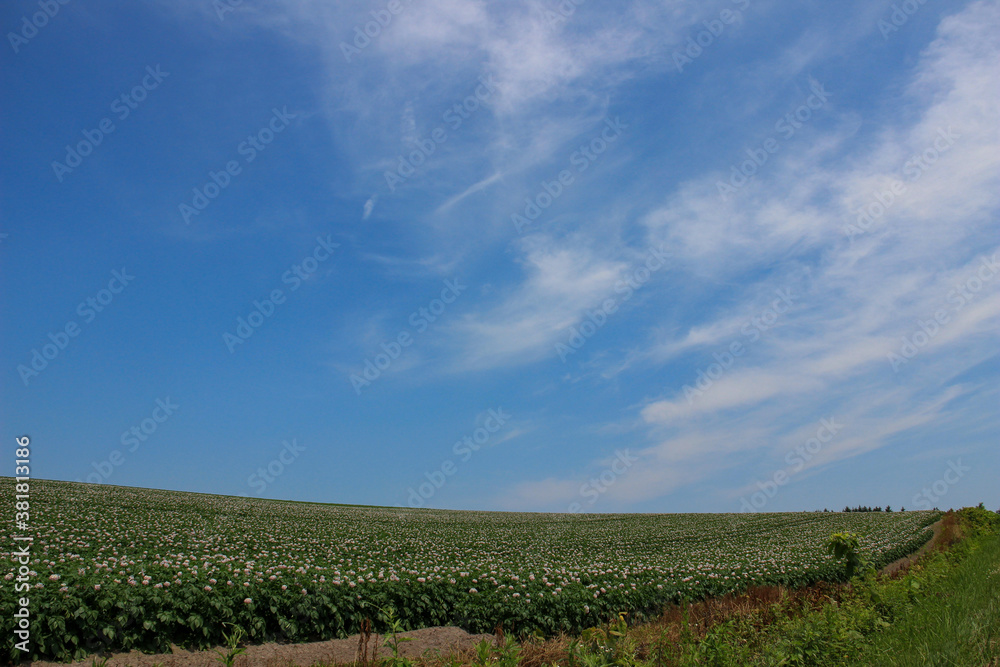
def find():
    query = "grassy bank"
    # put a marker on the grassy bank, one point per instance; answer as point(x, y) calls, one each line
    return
point(958, 622)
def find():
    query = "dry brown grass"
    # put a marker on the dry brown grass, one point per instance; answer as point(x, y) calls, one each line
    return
point(952, 531)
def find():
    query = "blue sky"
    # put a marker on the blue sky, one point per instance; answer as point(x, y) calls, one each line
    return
point(631, 256)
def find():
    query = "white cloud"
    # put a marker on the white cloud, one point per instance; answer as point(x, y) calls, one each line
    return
point(740, 389)
point(562, 281)
point(369, 207)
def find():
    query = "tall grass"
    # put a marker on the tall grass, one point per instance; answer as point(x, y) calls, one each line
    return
point(957, 624)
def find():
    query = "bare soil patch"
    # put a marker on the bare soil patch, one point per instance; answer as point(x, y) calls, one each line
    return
point(427, 641)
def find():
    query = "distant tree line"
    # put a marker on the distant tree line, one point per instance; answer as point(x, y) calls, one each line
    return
point(887, 508)
point(865, 508)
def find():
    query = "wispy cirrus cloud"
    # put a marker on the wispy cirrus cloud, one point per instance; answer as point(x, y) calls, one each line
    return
point(561, 283)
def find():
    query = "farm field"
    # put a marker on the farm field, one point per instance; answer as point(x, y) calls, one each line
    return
point(119, 568)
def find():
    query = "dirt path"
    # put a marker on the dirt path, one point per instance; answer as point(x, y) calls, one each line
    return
point(907, 561)
point(444, 640)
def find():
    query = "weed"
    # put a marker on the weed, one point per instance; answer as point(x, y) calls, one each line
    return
point(228, 658)
point(394, 640)
point(847, 546)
